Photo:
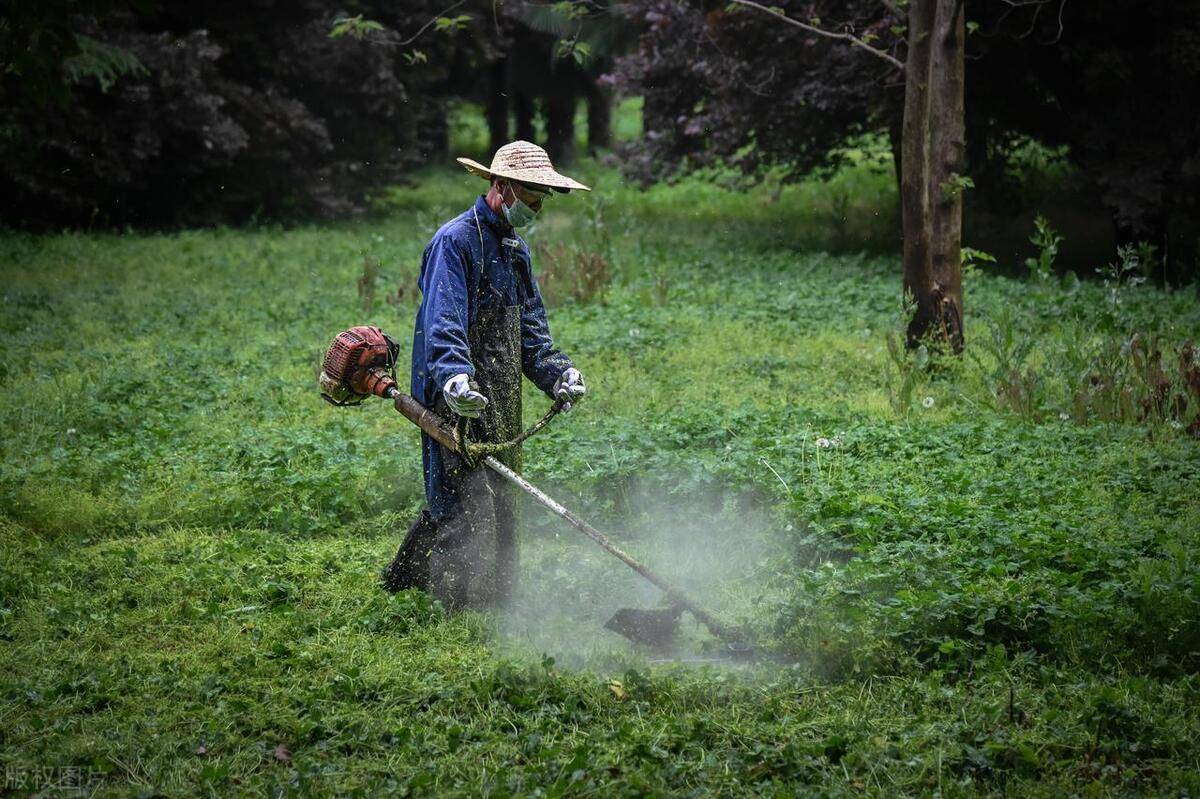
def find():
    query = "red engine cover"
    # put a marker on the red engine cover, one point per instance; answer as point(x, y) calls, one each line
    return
point(359, 361)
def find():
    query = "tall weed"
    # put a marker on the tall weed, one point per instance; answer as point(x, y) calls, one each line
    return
point(904, 368)
point(367, 281)
point(582, 269)
point(1101, 367)
point(1047, 240)
point(568, 271)
point(1001, 357)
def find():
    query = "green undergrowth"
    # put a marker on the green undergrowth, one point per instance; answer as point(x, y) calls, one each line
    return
point(955, 593)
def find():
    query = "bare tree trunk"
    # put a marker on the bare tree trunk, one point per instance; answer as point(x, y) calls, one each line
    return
point(560, 125)
point(599, 117)
point(934, 153)
point(948, 167)
point(914, 178)
point(497, 106)
point(895, 144)
point(523, 111)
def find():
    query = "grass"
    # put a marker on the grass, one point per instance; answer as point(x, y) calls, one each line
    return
point(961, 598)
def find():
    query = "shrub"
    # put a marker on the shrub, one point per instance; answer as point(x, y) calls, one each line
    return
point(230, 118)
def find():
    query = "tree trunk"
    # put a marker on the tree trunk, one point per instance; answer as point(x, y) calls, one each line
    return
point(933, 154)
point(497, 106)
point(523, 111)
point(896, 145)
point(599, 117)
point(560, 126)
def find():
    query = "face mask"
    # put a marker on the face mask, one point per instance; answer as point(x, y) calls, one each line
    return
point(518, 214)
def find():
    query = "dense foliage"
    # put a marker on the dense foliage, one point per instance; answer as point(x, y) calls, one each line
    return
point(971, 581)
point(1118, 83)
point(168, 114)
point(1115, 82)
point(234, 111)
point(43, 52)
point(735, 85)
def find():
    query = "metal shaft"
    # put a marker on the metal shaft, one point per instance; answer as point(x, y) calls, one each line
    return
point(675, 594)
point(428, 421)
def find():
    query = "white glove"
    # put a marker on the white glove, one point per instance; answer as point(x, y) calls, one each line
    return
point(570, 387)
point(463, 399)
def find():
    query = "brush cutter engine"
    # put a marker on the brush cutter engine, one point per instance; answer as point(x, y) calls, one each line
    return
point(360, 363)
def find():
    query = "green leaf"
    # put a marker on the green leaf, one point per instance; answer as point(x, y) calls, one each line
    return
point(101, 61)
point(570, 10)
point(451, 24)
point(579, 51)
point(355, 26)
point(955, 185)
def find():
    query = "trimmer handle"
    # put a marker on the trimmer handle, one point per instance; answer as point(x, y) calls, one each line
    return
point(442, 433)
point(424, 418)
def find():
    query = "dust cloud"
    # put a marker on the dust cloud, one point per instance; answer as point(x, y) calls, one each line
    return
point(721, 548)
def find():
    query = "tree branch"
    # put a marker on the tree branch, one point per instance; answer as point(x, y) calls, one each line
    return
point(391, 38)
point(423, 28)
point(1061, 7)
point(846, 37)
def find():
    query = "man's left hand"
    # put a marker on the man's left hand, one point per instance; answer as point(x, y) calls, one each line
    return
point(569, 387)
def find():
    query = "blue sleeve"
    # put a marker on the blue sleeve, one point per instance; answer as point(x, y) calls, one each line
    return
point(541, 361)
point(445, 315)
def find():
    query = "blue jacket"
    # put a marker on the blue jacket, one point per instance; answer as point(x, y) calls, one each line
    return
point(453, 269)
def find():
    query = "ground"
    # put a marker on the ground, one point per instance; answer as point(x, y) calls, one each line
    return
point(960, 580)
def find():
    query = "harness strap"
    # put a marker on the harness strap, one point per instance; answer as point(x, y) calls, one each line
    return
point(474, 452)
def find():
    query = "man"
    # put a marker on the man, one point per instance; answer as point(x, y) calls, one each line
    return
point(481, 325)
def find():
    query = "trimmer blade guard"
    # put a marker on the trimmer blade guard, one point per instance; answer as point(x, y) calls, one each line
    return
point(655, 627)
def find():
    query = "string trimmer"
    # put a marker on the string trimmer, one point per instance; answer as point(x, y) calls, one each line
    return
point(360, 364)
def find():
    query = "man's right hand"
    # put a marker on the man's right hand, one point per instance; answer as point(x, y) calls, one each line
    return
point(462, 399)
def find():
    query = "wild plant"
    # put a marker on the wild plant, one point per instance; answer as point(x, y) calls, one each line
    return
point(839, 216)
point(972, 259)
point(593, 276)
point(599, 228)
point(566, 270)
point(1147, 258)
point(553, 267)
point(406, 291)
point(1119, 278)
point(366, 282)
point(1047, 240)
point(1133, 376)
point(904, 367)
point(1012, 382)
point(660, 288)
point(1133, 381)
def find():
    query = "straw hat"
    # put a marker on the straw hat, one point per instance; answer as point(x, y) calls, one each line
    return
point(524, 162)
